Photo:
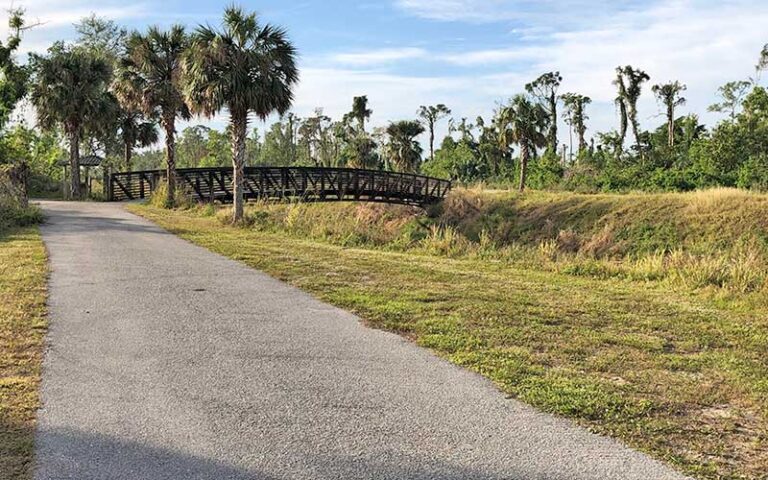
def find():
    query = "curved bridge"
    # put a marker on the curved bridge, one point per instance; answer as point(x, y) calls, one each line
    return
point(312, 184)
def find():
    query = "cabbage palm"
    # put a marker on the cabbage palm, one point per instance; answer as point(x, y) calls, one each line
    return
point(149, 80)
point(360, 111)
point(69, 90)
point(525, 123)
point(246, 67)
point(403, 149)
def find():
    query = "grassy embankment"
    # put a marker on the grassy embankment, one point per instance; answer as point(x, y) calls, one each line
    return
point(643, 317)
point(23, 274)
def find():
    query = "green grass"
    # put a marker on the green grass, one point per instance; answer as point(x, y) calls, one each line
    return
point(675, 372)
point(23, 275)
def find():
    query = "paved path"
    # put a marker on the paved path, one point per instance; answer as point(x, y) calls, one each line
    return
point(166, 361)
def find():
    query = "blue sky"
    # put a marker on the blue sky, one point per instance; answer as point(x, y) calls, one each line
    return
point(473, 54)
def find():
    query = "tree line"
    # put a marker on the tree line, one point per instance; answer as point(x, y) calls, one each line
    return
point(519, 144)
point(117, 92)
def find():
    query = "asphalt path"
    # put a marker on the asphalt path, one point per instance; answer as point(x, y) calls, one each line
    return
point(167, 361)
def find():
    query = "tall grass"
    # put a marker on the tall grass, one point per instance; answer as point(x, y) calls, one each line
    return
point(715, 239)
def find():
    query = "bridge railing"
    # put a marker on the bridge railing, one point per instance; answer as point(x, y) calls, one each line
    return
point(303, 183)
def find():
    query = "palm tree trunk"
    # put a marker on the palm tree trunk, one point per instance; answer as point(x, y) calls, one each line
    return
point(128, 155)
point(239, 123)
point(74, 164)
point(623, 126)
point(553, 124)
point(170, 157)
point(432, 142)
point(582, 131)
point(635, 124)
point(671, 125)
point(523, 162)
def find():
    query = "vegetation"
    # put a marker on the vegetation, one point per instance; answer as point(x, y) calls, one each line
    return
point(23, 275)
point(640, 316)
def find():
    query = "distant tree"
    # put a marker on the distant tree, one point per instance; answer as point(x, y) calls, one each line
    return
point(762, 63)
point(135, 132)
point(431, 115)
point(575, 105)
point(191, 147)
point(68, 91)
point(311, 132)
point(101, 35)
point(463, 127)
point(403, 149)
point(634, 82)
point(669, 95)
point(732, 95)
point(545, 90)
point(14, 77)
point(523, 122)
point(149, 80)
point(360, 111)
point(247, 68)
point(621, 102)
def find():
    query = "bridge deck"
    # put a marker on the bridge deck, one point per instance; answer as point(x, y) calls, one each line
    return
point(301, 183)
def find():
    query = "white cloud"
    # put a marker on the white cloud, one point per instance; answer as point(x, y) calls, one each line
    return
point(554, 12)
point(452, 10)
point(378, 57)
point(495, 56)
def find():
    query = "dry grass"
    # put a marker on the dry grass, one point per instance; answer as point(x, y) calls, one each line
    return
point(23, 274)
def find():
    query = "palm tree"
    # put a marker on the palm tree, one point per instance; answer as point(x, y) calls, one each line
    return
point(135, 131)
point(360, 111)
point(245, 67)
point(69, 90)
point(669, 95)
point(575, 105)
point(523, 122)
point(431, 115)
point(403, 149)
point(149, 80)
point(545, 89)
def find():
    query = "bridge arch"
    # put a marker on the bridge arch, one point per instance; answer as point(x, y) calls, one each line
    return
point(311, 184)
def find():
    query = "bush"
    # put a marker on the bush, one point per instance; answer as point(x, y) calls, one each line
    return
point(14, 215)
point(182, 199)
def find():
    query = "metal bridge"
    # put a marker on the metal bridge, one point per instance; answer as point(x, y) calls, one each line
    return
point(311, 184)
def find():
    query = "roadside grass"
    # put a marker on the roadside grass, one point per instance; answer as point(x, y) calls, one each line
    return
point(674, 372)
point(23, 276)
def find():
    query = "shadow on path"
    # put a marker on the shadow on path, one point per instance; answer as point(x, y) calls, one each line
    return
point(115, 459)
